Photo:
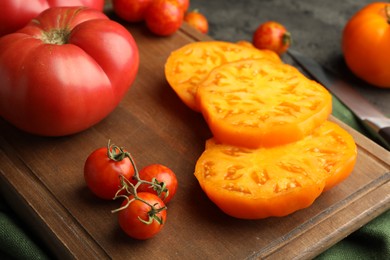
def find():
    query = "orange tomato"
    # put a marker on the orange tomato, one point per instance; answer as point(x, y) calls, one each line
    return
point(189, 65)
point(259, 183)
point(366, 44)
point(197, 20)
point(260, 102)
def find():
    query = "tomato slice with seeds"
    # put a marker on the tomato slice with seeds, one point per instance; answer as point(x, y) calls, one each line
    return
point(189, 65)
point(264, 182)
point(254, 103)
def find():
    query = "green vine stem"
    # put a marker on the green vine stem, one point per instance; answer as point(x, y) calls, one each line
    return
point(117, 153)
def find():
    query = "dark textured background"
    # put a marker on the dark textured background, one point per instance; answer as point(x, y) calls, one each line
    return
point(315, 25)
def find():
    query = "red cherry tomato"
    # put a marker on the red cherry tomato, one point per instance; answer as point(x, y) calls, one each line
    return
point(132, 217)
point(131, 10)
point(272, 36)
point(197, 20)
point(102, 171)
point(162, 174)
point(164, 17)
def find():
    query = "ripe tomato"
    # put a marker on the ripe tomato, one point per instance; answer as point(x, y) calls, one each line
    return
point(259, 183)
point(254, 103)
point(163, 175)
point(365, 44)
point(164, 17)
point(189, 65)
point(131, 10)
point(15, 14)
point(102, 171)
point(129, 217)
point(272, 36)
point(197, 20)
point(59, 79)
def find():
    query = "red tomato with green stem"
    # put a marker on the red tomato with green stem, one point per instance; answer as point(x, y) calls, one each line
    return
point(197, 20)
point(142, 217)
point(15, 14)
point(164, 17)
point(161, 175)
point(60, 78)
point(103, 170)
point(131, 10)
point(272, 36)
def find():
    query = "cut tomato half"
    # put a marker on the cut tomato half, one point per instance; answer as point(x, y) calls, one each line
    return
point(264, 182)
point(188, 66)
point(254, 103)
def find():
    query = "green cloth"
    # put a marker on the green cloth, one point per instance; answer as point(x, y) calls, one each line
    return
point(16, 242)
point(372, 241)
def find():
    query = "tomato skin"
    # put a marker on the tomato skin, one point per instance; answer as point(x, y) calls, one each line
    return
point(131, 10)
point(198, 21)
point(17, 13)
point(365, 44)
point(164, 17)
point(102, 174)
point(132, 226)
point(162, 174)
point(272, 36)
point(57, 89)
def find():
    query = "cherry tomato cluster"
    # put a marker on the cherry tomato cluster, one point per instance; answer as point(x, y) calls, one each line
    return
point(162, 17)
point(111, 173)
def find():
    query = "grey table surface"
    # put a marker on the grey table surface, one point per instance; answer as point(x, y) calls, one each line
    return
point(315, 25)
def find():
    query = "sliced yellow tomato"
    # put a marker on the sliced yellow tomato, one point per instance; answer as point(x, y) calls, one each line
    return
point(264, 182)
point(254, 103)
point(186, 67)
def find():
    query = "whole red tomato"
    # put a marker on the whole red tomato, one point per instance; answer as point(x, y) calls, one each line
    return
point(133, 217)
point(272, 36)
point(366, 44)
point(102, 171)
point(131, 10)
point(162, 174)
point(197, 20)
point(59, 78)
point(164, 17)
point(15, 14)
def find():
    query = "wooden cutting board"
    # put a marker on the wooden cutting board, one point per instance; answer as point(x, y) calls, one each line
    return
point(43, 180)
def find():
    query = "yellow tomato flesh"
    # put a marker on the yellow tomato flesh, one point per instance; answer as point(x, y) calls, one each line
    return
point(254, 103)
point(188, 66)
point(259, 183)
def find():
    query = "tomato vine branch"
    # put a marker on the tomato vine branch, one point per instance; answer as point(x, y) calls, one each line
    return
point(117, 153)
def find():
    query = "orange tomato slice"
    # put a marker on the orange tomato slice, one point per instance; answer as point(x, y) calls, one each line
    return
point(254, 103)
point(264, 182)
point(189, 65)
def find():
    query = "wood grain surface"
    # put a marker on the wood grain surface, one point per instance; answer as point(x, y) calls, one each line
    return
point(43, 178)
